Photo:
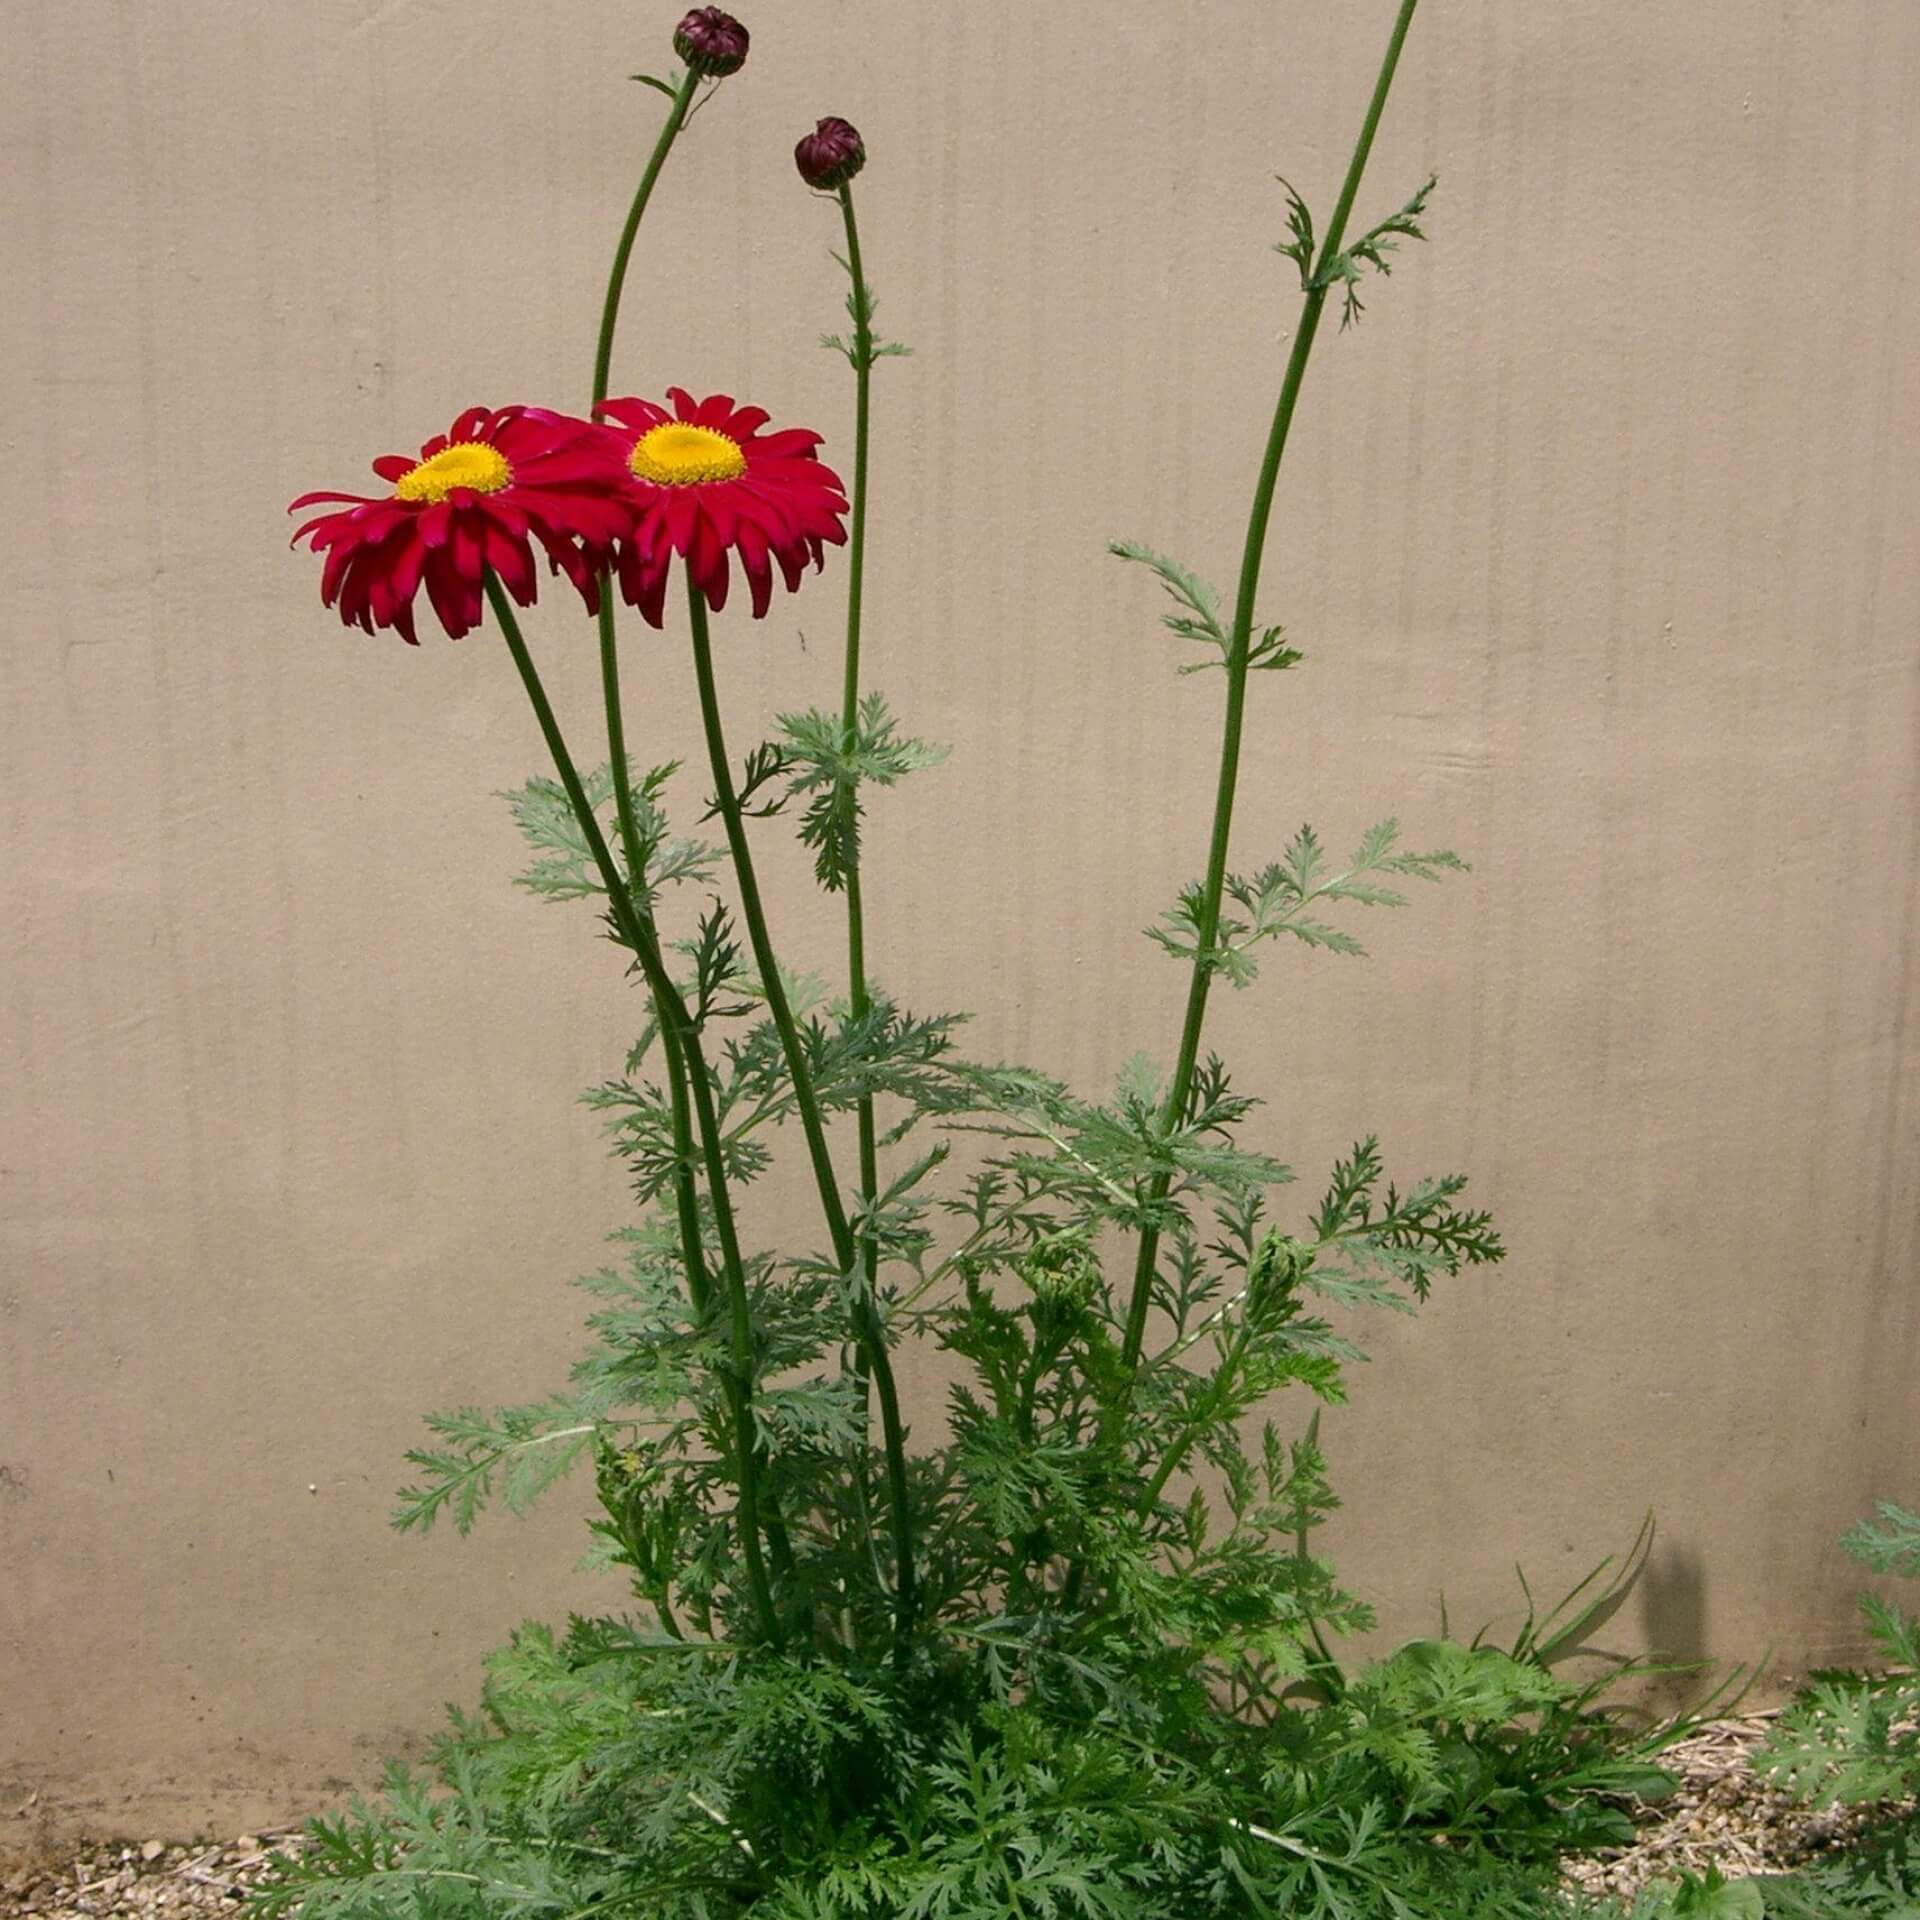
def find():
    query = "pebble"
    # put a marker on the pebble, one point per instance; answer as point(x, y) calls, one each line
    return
point(146, 1879)
point(1723, 1814)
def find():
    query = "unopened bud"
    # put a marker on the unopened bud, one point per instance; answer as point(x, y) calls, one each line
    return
point(711, 43)
point(831, 154)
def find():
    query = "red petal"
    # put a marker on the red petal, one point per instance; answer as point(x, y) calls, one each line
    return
point(752, 544)
point(503, 510)
point(681, 513)
point(442, 591)
point(339, 558)
point(465, 548)
point(408, 557)
point(707, 566)
point(512, 560)
point(314, 499)
point(332, 522)
point(652, 597)
point(634, 412)
point(720, 509)
point(788, 443)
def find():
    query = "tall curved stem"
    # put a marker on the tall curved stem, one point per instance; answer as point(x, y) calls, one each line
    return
point(672, 1044)
point(636, 929)
point(617, 277)
point(685, 1203)
point(1314, 300)
point(868, 1329)
point(857, 998)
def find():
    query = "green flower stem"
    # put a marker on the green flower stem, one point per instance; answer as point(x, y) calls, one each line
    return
point(686, 1201)
point(857, 998)
point(636, 928)
point(868, 1330)
point(678, 1040)
point(1314, 300)
point(616, 279)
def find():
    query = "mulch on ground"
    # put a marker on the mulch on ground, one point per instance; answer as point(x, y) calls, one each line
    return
point(1723, 1814)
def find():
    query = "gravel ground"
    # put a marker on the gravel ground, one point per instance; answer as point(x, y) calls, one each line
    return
point(1724, 1814)
point(146, 1877)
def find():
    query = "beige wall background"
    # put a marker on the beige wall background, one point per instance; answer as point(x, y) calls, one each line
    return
point(1603, 534)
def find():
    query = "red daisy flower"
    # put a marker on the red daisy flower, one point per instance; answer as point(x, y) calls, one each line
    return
point(467, 507)
point(705, 478)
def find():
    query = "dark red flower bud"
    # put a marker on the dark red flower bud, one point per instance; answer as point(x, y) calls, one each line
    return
point(711, 43)
point(830, 155)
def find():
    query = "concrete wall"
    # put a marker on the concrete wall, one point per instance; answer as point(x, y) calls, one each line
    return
point(1603, 533)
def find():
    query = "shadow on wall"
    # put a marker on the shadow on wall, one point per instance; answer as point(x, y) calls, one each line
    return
point(1673, 1614)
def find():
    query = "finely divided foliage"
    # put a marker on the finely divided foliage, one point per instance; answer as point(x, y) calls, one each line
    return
point(828, 766)
point(1276, 900)
point(1343, 267)
point(1070, 1649)
point(1851, 1737)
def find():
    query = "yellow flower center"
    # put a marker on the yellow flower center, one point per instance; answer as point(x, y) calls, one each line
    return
point(676, 454)
point(467, 463)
